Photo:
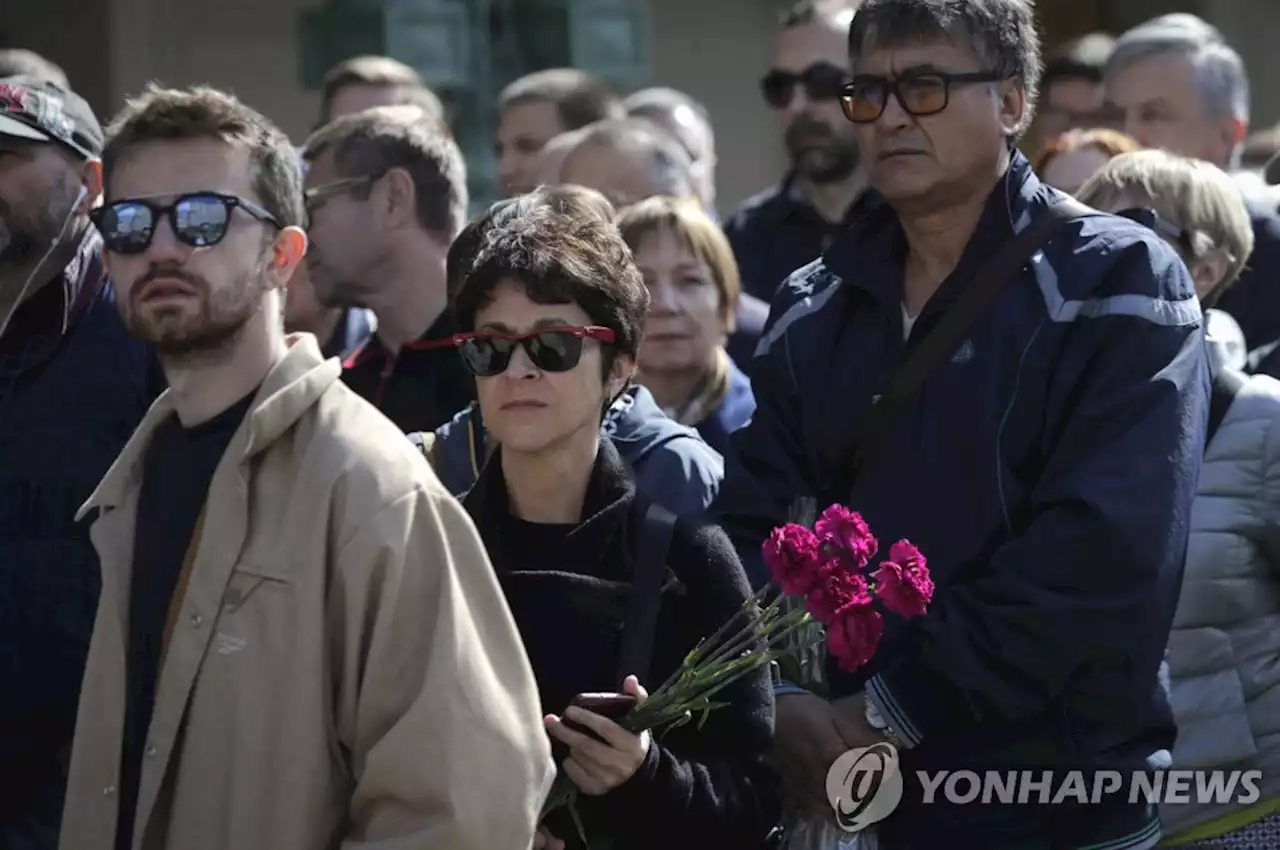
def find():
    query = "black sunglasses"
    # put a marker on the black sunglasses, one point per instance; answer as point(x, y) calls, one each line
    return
point(198, 219)
point(821, 81)
point(927, 93)
point(559, 349)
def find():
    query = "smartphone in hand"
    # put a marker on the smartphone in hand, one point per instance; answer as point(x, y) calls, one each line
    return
point(612, 706)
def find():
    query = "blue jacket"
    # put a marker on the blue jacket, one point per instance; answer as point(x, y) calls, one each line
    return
point(1046, 471)
point(672, 464)
point(734, 411)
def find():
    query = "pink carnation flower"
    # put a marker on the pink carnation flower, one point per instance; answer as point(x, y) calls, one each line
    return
point(848, 531)
point(903, 583)
point(793, 554)
point(853, 637)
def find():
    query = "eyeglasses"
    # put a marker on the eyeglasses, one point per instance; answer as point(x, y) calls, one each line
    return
point(488, 353)
point(821, 81)
point(199, 219)
point(317, 195)
point(864, 100)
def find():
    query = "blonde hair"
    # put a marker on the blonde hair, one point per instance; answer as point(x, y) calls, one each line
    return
point(1198, 197)
point(685, 219)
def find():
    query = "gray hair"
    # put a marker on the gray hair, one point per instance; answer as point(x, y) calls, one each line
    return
point(1002, 33)
point(1218, 69)
point(671, 163)
point(660, 99)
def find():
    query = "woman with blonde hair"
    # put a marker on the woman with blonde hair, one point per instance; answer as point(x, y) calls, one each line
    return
point(694, 289)
point(1069, 160)
point(1224, 650)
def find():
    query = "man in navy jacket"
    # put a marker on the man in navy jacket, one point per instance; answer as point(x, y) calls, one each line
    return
point(1045, 470)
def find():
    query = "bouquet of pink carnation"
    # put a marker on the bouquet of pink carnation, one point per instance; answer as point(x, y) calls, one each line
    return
point(827, 572)
point(827, 569)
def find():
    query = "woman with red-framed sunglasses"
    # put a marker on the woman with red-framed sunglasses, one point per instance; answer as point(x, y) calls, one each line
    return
point(609, 591)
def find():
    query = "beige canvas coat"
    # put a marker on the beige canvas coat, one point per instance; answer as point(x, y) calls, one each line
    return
point(344, 671)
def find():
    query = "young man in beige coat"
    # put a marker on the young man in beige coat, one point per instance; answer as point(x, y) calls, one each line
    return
point(300, 643)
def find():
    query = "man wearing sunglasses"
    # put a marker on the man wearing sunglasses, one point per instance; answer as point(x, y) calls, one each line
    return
point(73, 386)
point(786, 226)
point(1021, 389)
point(301, 642)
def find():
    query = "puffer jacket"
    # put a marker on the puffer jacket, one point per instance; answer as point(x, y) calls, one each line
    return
point(1224, 650)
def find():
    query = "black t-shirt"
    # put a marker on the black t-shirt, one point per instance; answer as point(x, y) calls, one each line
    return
point(420, 387)
point(176, 471)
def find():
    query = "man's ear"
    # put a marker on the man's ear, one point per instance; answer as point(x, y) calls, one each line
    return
point(1013, 105)
point(91, 179)
point(398, 198)
point(287, 252)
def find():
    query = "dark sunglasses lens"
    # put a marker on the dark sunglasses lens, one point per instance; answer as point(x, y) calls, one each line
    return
point(127, 227)
point(200, 220)
point(486, 356)
point(777, 87)
point(823, 82)
point(555, 351)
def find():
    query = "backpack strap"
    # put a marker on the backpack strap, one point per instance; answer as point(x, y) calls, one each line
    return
point(1227, 384)
point(644, 601)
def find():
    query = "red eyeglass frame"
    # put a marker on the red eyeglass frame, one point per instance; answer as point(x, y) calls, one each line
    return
point(596, 332)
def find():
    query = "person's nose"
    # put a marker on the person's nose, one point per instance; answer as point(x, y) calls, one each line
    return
point(165, 245)
point(662, 298)
point(521, 365)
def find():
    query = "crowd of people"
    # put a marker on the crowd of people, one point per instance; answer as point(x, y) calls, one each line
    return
point(333, 516)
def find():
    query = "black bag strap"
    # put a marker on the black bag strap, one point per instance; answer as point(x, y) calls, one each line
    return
point(1227, 384)
point(947, 335)
point(646, 592)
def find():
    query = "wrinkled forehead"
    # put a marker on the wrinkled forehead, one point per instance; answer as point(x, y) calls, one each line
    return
point(891, 47)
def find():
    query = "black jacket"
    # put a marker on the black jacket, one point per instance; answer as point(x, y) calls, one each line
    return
point(73, 386)
point(568, 588)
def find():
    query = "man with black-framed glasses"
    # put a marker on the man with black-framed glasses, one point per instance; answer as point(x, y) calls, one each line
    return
point(386, 194)
point(791, 223)
point(301, 642)
point(1017, 384)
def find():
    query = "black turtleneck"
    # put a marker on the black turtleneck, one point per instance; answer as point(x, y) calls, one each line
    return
point(176, 471)
point(567, 587)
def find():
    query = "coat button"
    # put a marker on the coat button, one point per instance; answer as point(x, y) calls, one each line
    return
point(108, 791)
point(151, 752)
point(196, 620)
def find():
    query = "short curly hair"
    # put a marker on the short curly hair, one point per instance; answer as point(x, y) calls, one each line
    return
point(560, 259)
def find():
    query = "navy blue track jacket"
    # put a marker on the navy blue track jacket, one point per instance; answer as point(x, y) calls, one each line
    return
point(1046, 471)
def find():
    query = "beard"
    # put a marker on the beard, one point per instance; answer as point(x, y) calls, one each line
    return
point(26, 234)
point(181, 332)
point(818, 154)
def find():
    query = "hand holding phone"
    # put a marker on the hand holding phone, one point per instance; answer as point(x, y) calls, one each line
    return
point(602, 754)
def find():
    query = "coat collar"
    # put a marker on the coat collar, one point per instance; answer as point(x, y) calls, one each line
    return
point(291, 388)
point(870, 255)
point(610, 494)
